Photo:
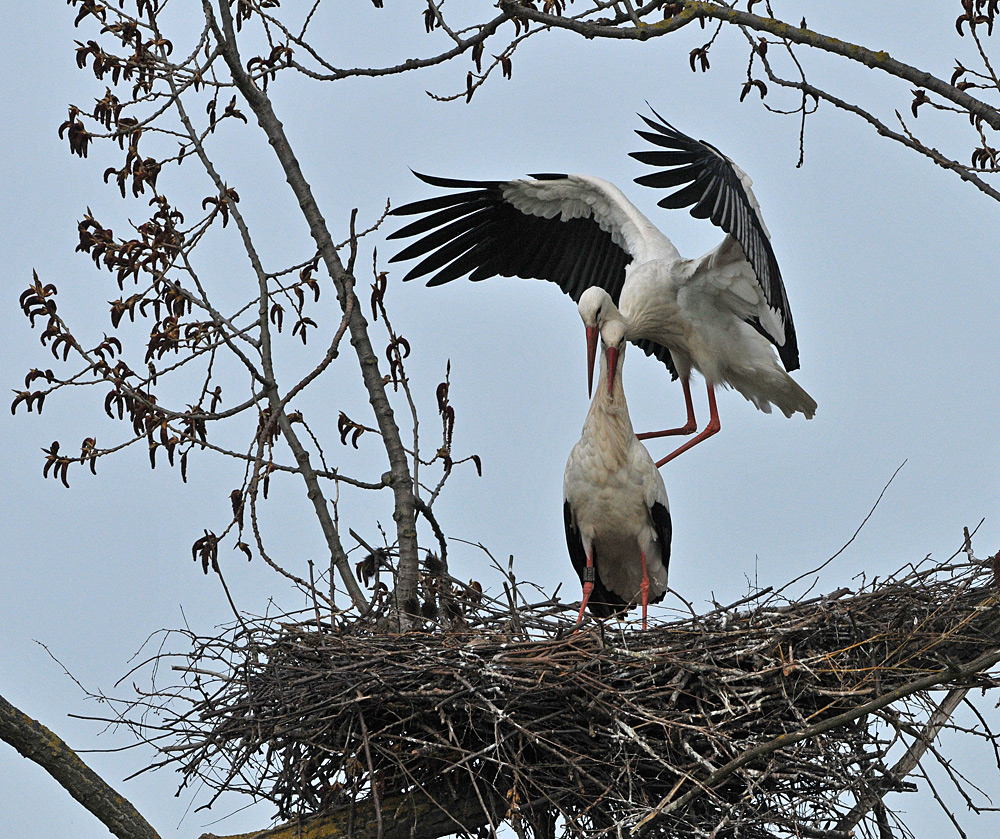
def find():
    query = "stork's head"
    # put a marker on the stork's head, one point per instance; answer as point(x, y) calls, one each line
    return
point(596, 308)
point(613, 340)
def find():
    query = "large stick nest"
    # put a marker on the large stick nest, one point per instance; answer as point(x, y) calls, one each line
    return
point(591, 732)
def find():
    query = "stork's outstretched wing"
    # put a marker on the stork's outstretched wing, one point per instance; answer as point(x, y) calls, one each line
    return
point(716, 188)
point(574, 230)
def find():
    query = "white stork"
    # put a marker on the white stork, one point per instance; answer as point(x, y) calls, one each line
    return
point(615, 504)
point(723, 314)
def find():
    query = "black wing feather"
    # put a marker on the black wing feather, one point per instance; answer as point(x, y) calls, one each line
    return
point(671, 177)
point(661, 158)
point(445, 236)
point(431, 220)
point(450, 249)
point(713, 190)
point(461, 266)
point(664, 532)
point(430, 205)
point(603, 603)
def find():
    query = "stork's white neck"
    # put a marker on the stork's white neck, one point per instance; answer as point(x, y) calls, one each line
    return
point(608, 418)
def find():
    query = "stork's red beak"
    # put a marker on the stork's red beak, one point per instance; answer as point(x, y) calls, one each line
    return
point(612, 366)
point(591, 356)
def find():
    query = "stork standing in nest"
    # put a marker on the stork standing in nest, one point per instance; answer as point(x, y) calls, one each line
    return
point(616, 510)
point(724, 314)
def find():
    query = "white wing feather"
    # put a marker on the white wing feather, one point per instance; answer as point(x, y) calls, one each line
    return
point(725, 273)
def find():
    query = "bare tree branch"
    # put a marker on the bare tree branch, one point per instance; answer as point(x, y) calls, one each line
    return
point(37, 743)
point(696, 9)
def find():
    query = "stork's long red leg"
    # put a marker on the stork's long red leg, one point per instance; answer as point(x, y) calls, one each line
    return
point(588, 583)
point(644, 589)
point(688, 428)
point(712, 428)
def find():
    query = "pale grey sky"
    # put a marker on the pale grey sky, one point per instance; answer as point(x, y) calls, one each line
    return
point(889, 263)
